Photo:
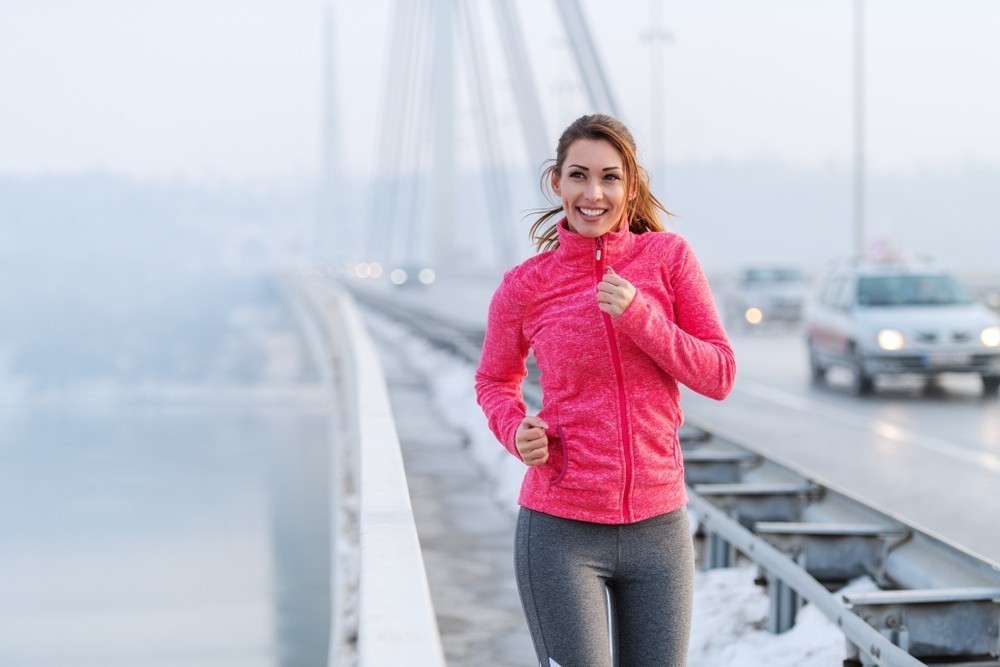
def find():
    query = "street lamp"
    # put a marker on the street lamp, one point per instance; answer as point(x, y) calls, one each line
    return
point(657, 37)
point(859, 129)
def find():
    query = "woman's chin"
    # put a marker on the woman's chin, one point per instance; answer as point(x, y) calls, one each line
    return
point(588, 228)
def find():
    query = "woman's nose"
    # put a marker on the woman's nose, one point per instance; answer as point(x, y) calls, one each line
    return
point(594, 190)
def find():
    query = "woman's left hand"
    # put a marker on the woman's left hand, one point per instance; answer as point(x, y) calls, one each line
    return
point(614, 293)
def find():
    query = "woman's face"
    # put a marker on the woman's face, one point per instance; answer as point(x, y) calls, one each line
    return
point(592, 187)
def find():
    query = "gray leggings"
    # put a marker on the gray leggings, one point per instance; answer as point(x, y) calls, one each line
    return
point(568, 572)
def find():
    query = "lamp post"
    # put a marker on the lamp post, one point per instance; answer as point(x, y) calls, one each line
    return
point(859, 129)
point(657, 37)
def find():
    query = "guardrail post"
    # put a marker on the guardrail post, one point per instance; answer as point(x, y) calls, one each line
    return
point(852, 656)
point(784, 600)
point(899, 636)
point(785, 603)
point(718, 552)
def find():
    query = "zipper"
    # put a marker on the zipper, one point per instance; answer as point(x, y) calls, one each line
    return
point(616, 360)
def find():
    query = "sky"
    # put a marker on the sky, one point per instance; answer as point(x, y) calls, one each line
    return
point(231, 91)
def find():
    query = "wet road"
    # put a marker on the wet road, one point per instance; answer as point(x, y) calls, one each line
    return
point(928, 455)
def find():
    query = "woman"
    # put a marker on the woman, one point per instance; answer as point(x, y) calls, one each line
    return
point(617, 312)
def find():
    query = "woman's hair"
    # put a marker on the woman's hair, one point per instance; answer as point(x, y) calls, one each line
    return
point(642, 210)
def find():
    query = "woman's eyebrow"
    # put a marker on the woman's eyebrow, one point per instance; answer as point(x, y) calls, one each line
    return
point(580, 166)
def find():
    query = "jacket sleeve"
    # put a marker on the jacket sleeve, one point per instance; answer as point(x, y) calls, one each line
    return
point(692, 346)
point(502, 364)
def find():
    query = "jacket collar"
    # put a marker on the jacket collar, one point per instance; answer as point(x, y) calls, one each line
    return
point(575, 249)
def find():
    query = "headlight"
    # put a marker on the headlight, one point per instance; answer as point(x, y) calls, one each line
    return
point(426, 276)
point(990, 336)
point(890, 339)
point(754, 315)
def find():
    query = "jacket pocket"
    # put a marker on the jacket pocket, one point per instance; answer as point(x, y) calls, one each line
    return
point(561, 462)
point(678, 454)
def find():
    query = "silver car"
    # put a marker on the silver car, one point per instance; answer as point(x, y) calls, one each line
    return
point(895, 319)
point(766, 294)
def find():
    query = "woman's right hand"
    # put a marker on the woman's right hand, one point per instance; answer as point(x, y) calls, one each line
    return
point(531, 442)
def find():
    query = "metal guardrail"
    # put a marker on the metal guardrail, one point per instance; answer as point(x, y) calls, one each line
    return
point(395, 622)
point(939, 603)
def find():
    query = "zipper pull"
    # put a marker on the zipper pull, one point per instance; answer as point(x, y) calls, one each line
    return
point(600, 243)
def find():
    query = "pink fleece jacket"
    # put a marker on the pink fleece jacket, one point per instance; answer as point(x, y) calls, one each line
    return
point(610, 394)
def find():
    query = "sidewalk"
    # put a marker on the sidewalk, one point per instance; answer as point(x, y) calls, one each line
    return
point(467, 540)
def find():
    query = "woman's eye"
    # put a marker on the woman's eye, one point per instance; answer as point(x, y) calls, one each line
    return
point(612, 177)
point(576, 174)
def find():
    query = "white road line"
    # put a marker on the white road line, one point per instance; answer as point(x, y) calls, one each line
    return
point(885, 429)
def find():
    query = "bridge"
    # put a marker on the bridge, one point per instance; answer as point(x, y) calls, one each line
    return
point(338, 514)
point(783, 477)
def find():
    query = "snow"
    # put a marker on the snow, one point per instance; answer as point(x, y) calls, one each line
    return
point(730, 611)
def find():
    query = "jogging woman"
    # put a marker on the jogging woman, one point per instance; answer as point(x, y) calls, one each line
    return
point(617, 312)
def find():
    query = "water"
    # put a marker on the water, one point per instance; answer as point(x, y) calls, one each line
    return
point(163, 488)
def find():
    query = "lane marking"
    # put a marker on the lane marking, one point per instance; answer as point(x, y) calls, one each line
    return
point(794, 401)
point(885, 429)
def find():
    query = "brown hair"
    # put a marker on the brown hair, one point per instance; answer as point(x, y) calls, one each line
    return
point(642, 211)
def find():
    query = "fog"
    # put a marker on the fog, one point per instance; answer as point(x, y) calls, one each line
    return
point(159, 162)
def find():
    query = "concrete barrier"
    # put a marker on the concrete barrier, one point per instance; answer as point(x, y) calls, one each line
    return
point(395, 621)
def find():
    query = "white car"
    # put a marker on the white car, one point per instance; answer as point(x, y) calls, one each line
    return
point(900, 318)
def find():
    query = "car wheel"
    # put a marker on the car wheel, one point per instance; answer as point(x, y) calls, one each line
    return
point(863, 384)
point(817, 371)
point(991, 385)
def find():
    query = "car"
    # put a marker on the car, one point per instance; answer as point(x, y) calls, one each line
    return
point(767, 294)
point(900, 318)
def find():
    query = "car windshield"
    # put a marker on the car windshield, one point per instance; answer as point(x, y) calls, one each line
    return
point(911, 290)
point(772, 275)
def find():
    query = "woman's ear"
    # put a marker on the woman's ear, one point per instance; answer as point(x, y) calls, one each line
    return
point(555, 182)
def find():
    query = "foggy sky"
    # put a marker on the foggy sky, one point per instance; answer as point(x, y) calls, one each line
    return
point(221, 90)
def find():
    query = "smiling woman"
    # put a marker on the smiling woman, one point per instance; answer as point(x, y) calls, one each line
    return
point(618, 314)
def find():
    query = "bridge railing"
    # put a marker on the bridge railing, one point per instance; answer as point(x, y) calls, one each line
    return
point(381, 603)
point(937, 601)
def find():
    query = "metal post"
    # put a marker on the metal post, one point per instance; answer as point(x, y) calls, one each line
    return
point(717, 552)
point(658, 38)
point(322, 240)
point(859, 129)
point(784, 605)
